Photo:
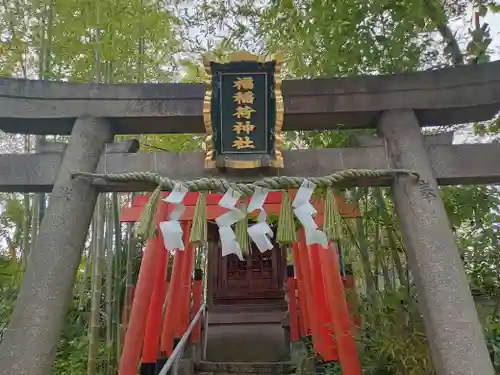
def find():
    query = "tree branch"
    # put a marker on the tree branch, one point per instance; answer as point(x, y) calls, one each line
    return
point(456, 55)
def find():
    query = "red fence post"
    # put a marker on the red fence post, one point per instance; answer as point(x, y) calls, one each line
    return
point(173, 303)
point(347, 350)
point(303, 256)
point(305, 327)
point(325, 329)
point(154, 322)
point(131, 355)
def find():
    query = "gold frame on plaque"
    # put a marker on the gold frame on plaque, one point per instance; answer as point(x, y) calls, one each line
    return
point(277, 161)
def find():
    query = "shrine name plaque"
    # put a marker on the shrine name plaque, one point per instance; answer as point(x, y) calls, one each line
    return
point(243, 112)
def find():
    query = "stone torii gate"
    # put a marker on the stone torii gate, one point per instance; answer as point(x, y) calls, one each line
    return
point(397, 105)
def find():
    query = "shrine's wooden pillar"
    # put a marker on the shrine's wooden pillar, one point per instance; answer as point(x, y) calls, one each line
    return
point(197, 301)
point(148, 272)
point(29, 346)
point(155, 312)
point(293, 309)
point(453, 328)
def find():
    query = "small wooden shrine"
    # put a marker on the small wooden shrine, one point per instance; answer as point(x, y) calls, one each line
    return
point(257, 279)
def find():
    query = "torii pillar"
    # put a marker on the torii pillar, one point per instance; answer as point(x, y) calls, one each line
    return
point(30, 344)
point(452, 324)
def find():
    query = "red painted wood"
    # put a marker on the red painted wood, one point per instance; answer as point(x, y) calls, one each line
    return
point(174, 300)
point(292, 309)
point(301, 317)
point(167, 335)
point(212, 198)
point(272, 205)
point(162, 328)
point(154, 322)
point(302, 254)
point(325, 327)
point(334, 286)
point(303, 296)
point(197, 298)
point(134, 336)
point(132, 214)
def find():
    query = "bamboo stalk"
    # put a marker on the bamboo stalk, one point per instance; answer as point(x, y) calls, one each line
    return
point(96, 288)
point(83, 284)
point(44, 70)
point(99, 251)
point(131, 244)
point(365, 256)
point(89, 261)
point(389, 227)
point(117, 274)
point(26, 216)
point(109, 279)
point(376, 251)
point(361, 242)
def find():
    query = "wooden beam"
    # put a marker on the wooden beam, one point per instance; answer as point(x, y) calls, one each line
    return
point(272, 205)
point(452, 165)
point(439, 97)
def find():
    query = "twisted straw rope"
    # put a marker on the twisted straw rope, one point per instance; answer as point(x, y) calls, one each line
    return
point(271, 183)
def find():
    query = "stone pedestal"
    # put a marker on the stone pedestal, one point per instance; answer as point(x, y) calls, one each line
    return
point(297, 352)
point(452, 325)
point(185, 367)
point(197, 352)
point(29, 347)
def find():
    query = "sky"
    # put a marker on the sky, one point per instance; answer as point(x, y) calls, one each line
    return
point(493, 21)
point(466, 135)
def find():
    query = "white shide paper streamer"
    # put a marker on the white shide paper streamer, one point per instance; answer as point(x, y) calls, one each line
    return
point(260, 232)
point(229, 244)
point(305, 211)
point(171, 229)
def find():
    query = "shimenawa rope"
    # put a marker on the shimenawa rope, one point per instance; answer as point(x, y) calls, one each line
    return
point(286, 228)
point(271, 183)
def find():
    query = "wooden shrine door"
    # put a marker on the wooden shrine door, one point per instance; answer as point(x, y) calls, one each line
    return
point(259, 278)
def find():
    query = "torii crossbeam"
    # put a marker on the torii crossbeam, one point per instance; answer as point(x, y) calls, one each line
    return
point(396, 105)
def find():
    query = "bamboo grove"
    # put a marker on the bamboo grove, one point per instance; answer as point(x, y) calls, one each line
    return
point(118, 41)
